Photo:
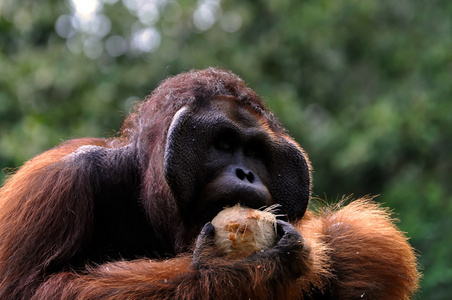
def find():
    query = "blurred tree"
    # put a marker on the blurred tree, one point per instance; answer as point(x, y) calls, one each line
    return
point(363, 85)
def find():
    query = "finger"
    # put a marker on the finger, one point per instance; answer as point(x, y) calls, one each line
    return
point(285, 228)
point(290, 237)
point(204, 240)
point(208, 230)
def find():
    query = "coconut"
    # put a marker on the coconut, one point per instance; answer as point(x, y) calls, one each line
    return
point(241, 231)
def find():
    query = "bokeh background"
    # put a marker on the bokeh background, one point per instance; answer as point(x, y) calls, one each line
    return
point(364, 86)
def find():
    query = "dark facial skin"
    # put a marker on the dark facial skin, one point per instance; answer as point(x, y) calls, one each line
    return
point(222, 154)
point(235, 159)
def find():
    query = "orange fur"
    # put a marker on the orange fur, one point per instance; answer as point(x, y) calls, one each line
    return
point(350, 252)
point(172, 279)
point(368, 257)
point(47, 187)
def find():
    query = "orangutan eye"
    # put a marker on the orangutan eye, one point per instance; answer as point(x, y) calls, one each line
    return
point(253, 150)
point(223, 145)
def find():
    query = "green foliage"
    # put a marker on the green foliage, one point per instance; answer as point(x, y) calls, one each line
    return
point(364, 86)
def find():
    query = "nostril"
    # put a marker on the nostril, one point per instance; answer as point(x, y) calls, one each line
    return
point(250, 177)
point(240, 174)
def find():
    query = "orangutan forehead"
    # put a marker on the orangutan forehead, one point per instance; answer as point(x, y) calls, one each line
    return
point(224, 110)
point(234, 110)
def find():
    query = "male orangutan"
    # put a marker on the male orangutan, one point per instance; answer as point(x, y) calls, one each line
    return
point(124, 218)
